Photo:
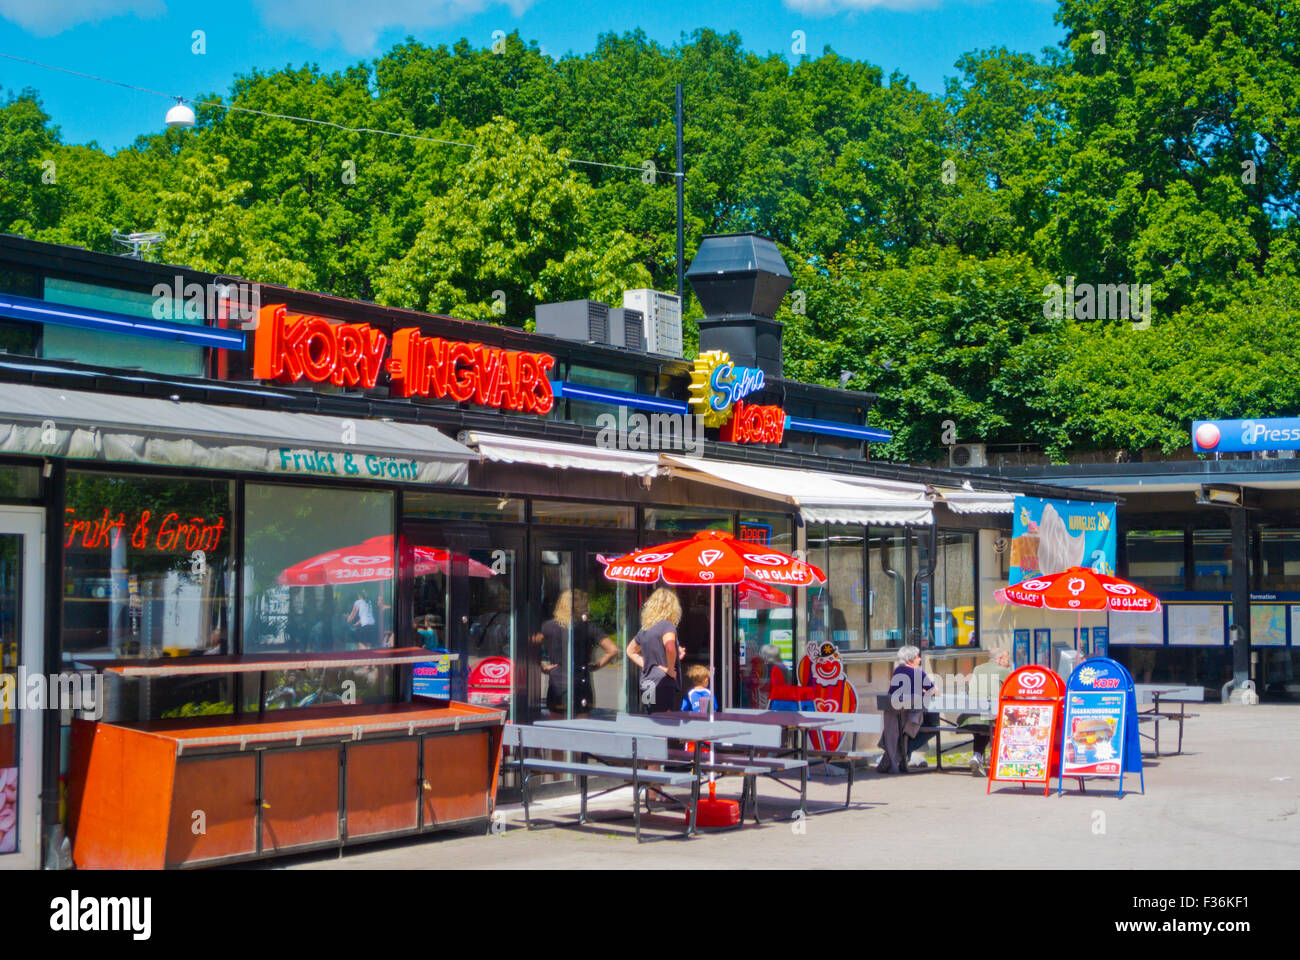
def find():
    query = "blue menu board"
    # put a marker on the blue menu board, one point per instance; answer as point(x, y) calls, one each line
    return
point(1100, 736)
point(1020, 647)
point(1101, 641)
point(1043, 647)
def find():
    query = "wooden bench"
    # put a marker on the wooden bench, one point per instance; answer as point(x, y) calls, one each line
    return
point(596, 751)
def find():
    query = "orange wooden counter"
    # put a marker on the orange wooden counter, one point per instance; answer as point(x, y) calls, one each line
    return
point(206, 790)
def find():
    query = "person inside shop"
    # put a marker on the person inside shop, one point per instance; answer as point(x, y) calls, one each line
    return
point(489, 634)
point(905, 715)
point(656, 652)
point(361, 621)
point(988, 678)
point(428, 628)
point(571, 619)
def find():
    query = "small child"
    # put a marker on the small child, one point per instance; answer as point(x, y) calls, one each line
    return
point(699, 699)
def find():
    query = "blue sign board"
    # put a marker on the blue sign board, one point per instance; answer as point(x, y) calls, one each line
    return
point(1020, 644)
point(1100, 737)
point(1101, 641)
point(433, 678)
point(1081, 641)
point(1043, 647)
point(1240, 436)
point(1051, 536)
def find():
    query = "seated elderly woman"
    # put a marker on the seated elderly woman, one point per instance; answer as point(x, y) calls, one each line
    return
point(903, 720)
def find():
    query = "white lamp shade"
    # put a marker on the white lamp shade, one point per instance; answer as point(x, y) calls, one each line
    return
point(180, 116)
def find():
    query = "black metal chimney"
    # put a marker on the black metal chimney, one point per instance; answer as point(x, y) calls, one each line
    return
point(740, 280)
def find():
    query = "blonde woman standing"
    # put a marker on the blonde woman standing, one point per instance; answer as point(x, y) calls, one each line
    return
point(656, 651)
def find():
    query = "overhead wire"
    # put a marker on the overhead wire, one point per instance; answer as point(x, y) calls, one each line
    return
point(216, 104)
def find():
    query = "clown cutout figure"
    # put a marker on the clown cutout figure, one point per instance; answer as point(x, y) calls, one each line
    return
point(822, 669)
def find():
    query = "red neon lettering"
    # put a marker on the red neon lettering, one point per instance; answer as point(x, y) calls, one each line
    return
point(463, 377)
point(290, 346)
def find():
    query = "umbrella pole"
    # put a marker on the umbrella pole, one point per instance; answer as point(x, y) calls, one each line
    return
point(712, 694)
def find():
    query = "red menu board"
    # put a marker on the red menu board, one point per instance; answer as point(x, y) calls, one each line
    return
point(1026, 744)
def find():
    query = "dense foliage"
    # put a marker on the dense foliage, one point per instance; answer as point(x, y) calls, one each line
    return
point(1158, 145)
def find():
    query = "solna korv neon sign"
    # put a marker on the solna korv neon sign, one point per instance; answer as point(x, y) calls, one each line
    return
point(292, 346)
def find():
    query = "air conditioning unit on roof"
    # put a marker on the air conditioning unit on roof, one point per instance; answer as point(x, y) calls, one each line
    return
point(962, 455)
point(663, 320)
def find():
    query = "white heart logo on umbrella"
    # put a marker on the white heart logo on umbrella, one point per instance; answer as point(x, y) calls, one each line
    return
point(709, 557)
point(706, 574)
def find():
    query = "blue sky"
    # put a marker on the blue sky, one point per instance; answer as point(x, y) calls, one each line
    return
point(148, 42)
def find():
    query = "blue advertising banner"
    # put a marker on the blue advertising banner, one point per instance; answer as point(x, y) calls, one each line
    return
point(1101, 641)
point(1020, 646)
point(1239, 436)
point(1100, 736)
point(1051, 536)
point(432, 679)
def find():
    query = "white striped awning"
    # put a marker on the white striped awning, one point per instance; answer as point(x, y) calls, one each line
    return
point(975, 501)
point(561, 456)
point(820, 497)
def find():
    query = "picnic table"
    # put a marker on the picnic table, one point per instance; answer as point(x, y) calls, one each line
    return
point(941, 704)
point(1171, 693)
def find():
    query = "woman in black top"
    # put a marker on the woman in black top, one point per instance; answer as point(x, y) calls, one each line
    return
point(656, 651)
point(570, 614)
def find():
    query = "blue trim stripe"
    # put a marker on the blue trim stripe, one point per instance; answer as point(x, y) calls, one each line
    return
point(836, 429)
point(43, 311)
point(580, 391)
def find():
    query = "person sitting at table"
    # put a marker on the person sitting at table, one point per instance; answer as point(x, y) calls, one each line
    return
point(988, 678)
point(905, 715)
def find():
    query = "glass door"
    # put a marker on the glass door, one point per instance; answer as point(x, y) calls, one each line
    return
point(582, 623)
point(21, 548)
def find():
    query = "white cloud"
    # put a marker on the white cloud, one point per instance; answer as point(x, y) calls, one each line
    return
point(355, 25)
point(45, 18)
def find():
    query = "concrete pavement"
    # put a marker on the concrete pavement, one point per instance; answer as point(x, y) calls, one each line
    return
point(1229, 800)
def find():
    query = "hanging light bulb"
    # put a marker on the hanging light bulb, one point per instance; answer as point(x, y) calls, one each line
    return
point(180, 115)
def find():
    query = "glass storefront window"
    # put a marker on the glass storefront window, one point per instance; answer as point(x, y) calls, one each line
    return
point(686, 522)
point(584, 514)
point(887, 587)
point(1212, 556)
point(764, 615)
point(318, 576)
point(835, 609)
point(19, 483)
point(953, 601)
point(148, 573)
point(1279, 559)
point(1155, 557)
point(443, 506)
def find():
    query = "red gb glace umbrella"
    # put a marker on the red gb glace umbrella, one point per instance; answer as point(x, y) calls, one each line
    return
point(712, 559)
point(1080, 589)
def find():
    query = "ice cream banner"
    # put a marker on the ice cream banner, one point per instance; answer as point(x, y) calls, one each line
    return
point(1051, 536)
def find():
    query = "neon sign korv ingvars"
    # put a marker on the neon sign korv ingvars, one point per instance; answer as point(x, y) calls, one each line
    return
point(292, 346)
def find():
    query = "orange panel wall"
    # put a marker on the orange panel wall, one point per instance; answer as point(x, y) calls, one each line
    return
point(224, 790)
point(382, 793)
point(301, 792)
point(458, 772)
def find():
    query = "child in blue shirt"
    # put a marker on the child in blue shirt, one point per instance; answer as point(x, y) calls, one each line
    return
point(699, 699)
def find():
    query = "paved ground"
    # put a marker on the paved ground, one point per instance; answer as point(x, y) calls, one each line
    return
point(1230, 800)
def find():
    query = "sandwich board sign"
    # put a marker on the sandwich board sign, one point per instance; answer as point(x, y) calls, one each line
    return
point(1026, 734)
point(1100, 735)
